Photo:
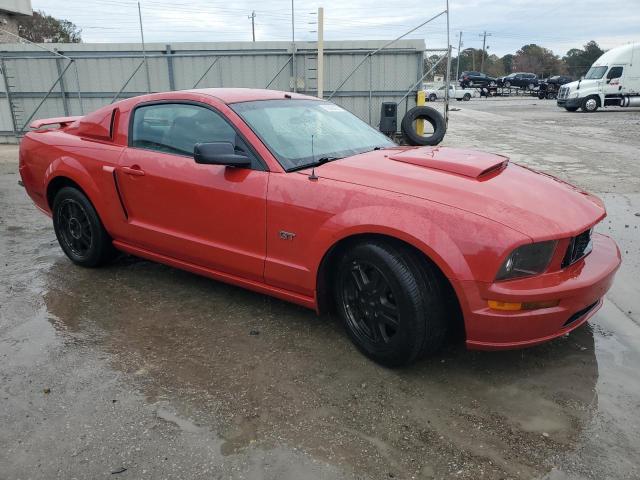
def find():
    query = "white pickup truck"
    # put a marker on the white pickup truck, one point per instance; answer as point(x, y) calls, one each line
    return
point(612, 81)
point(434, 93)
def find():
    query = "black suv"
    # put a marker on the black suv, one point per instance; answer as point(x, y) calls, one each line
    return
point(522, 80)
point(476, 79)
point(549, 88)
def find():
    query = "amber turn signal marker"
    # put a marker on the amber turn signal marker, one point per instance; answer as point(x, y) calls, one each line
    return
point(510, 306)
point(515, 306)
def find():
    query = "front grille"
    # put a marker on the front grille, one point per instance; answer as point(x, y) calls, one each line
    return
point(563, 93)
point(580, 314)
point(579, 246)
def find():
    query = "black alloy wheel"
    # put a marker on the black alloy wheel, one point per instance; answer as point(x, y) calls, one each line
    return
point(74, 227)
point(79, 230)
point(369, 301)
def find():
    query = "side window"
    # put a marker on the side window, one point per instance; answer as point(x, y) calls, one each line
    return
point(176, 128)
point(615, 72)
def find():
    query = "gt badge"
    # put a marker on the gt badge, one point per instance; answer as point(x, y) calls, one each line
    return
point(286, 235)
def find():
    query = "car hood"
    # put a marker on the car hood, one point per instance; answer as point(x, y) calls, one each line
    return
point(533, 203)
point(573, 86)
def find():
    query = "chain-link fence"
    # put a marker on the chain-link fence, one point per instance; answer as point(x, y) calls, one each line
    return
point(80, 78)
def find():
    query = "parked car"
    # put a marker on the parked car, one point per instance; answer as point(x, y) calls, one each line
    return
point(438, 93)
point(612, 81)
point(476, 79)
point(294, 197)
point(549, 88)
point(527, 81)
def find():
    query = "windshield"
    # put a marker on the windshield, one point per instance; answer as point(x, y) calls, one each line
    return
point(595, 72)
point(287, 126)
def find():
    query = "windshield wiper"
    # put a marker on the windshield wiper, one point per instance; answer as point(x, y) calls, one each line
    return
point(318, 162)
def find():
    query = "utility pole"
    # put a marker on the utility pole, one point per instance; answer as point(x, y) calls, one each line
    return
point(459, 52)
point(293, 49)
point(484, 44)
point(447, 77)
point(320, 70)
point(144, 52)
point(253, 24)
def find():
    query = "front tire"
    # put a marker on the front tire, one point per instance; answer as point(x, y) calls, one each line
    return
point(590, 104)
point(571, 109)
point(79, 230)
point(432, 97)
point(467, 97)
point(391, 303)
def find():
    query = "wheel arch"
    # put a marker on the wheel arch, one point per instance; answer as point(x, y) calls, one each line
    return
point(330, 259)
point(67, 171)
point(58, 183)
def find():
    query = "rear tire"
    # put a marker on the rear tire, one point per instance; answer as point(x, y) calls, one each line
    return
point(467, 97)
point(432, 97)
point(391, 303)
point(79, 230)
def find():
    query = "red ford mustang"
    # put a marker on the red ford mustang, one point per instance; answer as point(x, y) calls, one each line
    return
point(295, 197)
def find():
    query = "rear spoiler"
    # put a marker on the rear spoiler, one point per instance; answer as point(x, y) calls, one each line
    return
point(62, 121)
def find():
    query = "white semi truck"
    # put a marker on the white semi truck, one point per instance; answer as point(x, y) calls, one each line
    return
point(613, 80)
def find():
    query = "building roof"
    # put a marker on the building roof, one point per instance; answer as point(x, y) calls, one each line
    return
point(16, 7)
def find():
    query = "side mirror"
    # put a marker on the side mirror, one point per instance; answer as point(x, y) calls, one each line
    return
point(219, 153)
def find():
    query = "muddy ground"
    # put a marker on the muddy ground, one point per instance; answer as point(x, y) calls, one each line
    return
point(142, 367)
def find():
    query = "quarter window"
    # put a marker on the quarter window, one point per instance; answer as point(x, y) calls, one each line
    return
point(176, 128)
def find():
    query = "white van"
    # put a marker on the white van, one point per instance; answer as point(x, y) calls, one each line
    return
point(613, 80)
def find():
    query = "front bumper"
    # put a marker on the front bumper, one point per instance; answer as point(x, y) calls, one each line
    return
point(579, 289)
point(570, 102)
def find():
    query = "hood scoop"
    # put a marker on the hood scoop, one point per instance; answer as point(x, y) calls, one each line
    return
point(468, 163)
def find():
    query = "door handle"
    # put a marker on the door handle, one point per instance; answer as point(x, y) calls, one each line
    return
point(134, 170)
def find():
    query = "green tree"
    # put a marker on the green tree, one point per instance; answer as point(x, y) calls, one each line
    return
point(507, 63)
point(41, 27)
point(578, 60)
point(536, 59)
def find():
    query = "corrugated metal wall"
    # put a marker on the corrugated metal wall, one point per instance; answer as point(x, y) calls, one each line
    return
point(102, 70)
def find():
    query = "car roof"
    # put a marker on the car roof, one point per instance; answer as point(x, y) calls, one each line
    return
point(237, 95)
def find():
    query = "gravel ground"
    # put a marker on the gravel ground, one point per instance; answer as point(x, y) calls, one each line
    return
point(142, 367)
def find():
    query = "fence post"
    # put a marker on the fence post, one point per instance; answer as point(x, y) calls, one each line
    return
point(7, 89)
point(370, 84)
point(172, 81)
point(63, 90)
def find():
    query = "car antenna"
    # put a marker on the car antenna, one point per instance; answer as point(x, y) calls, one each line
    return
point(313, 175)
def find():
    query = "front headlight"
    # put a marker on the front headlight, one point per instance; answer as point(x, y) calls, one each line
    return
point(530, 259)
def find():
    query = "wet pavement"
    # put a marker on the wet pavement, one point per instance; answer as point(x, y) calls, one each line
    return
point(142, 367)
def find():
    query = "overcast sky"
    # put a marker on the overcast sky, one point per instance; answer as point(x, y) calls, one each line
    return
point(558, 25)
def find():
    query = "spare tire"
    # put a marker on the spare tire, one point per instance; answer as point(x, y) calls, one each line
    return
point(432, 116)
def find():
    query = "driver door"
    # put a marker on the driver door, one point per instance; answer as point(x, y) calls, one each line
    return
point(613, 81)
point(209, 215)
